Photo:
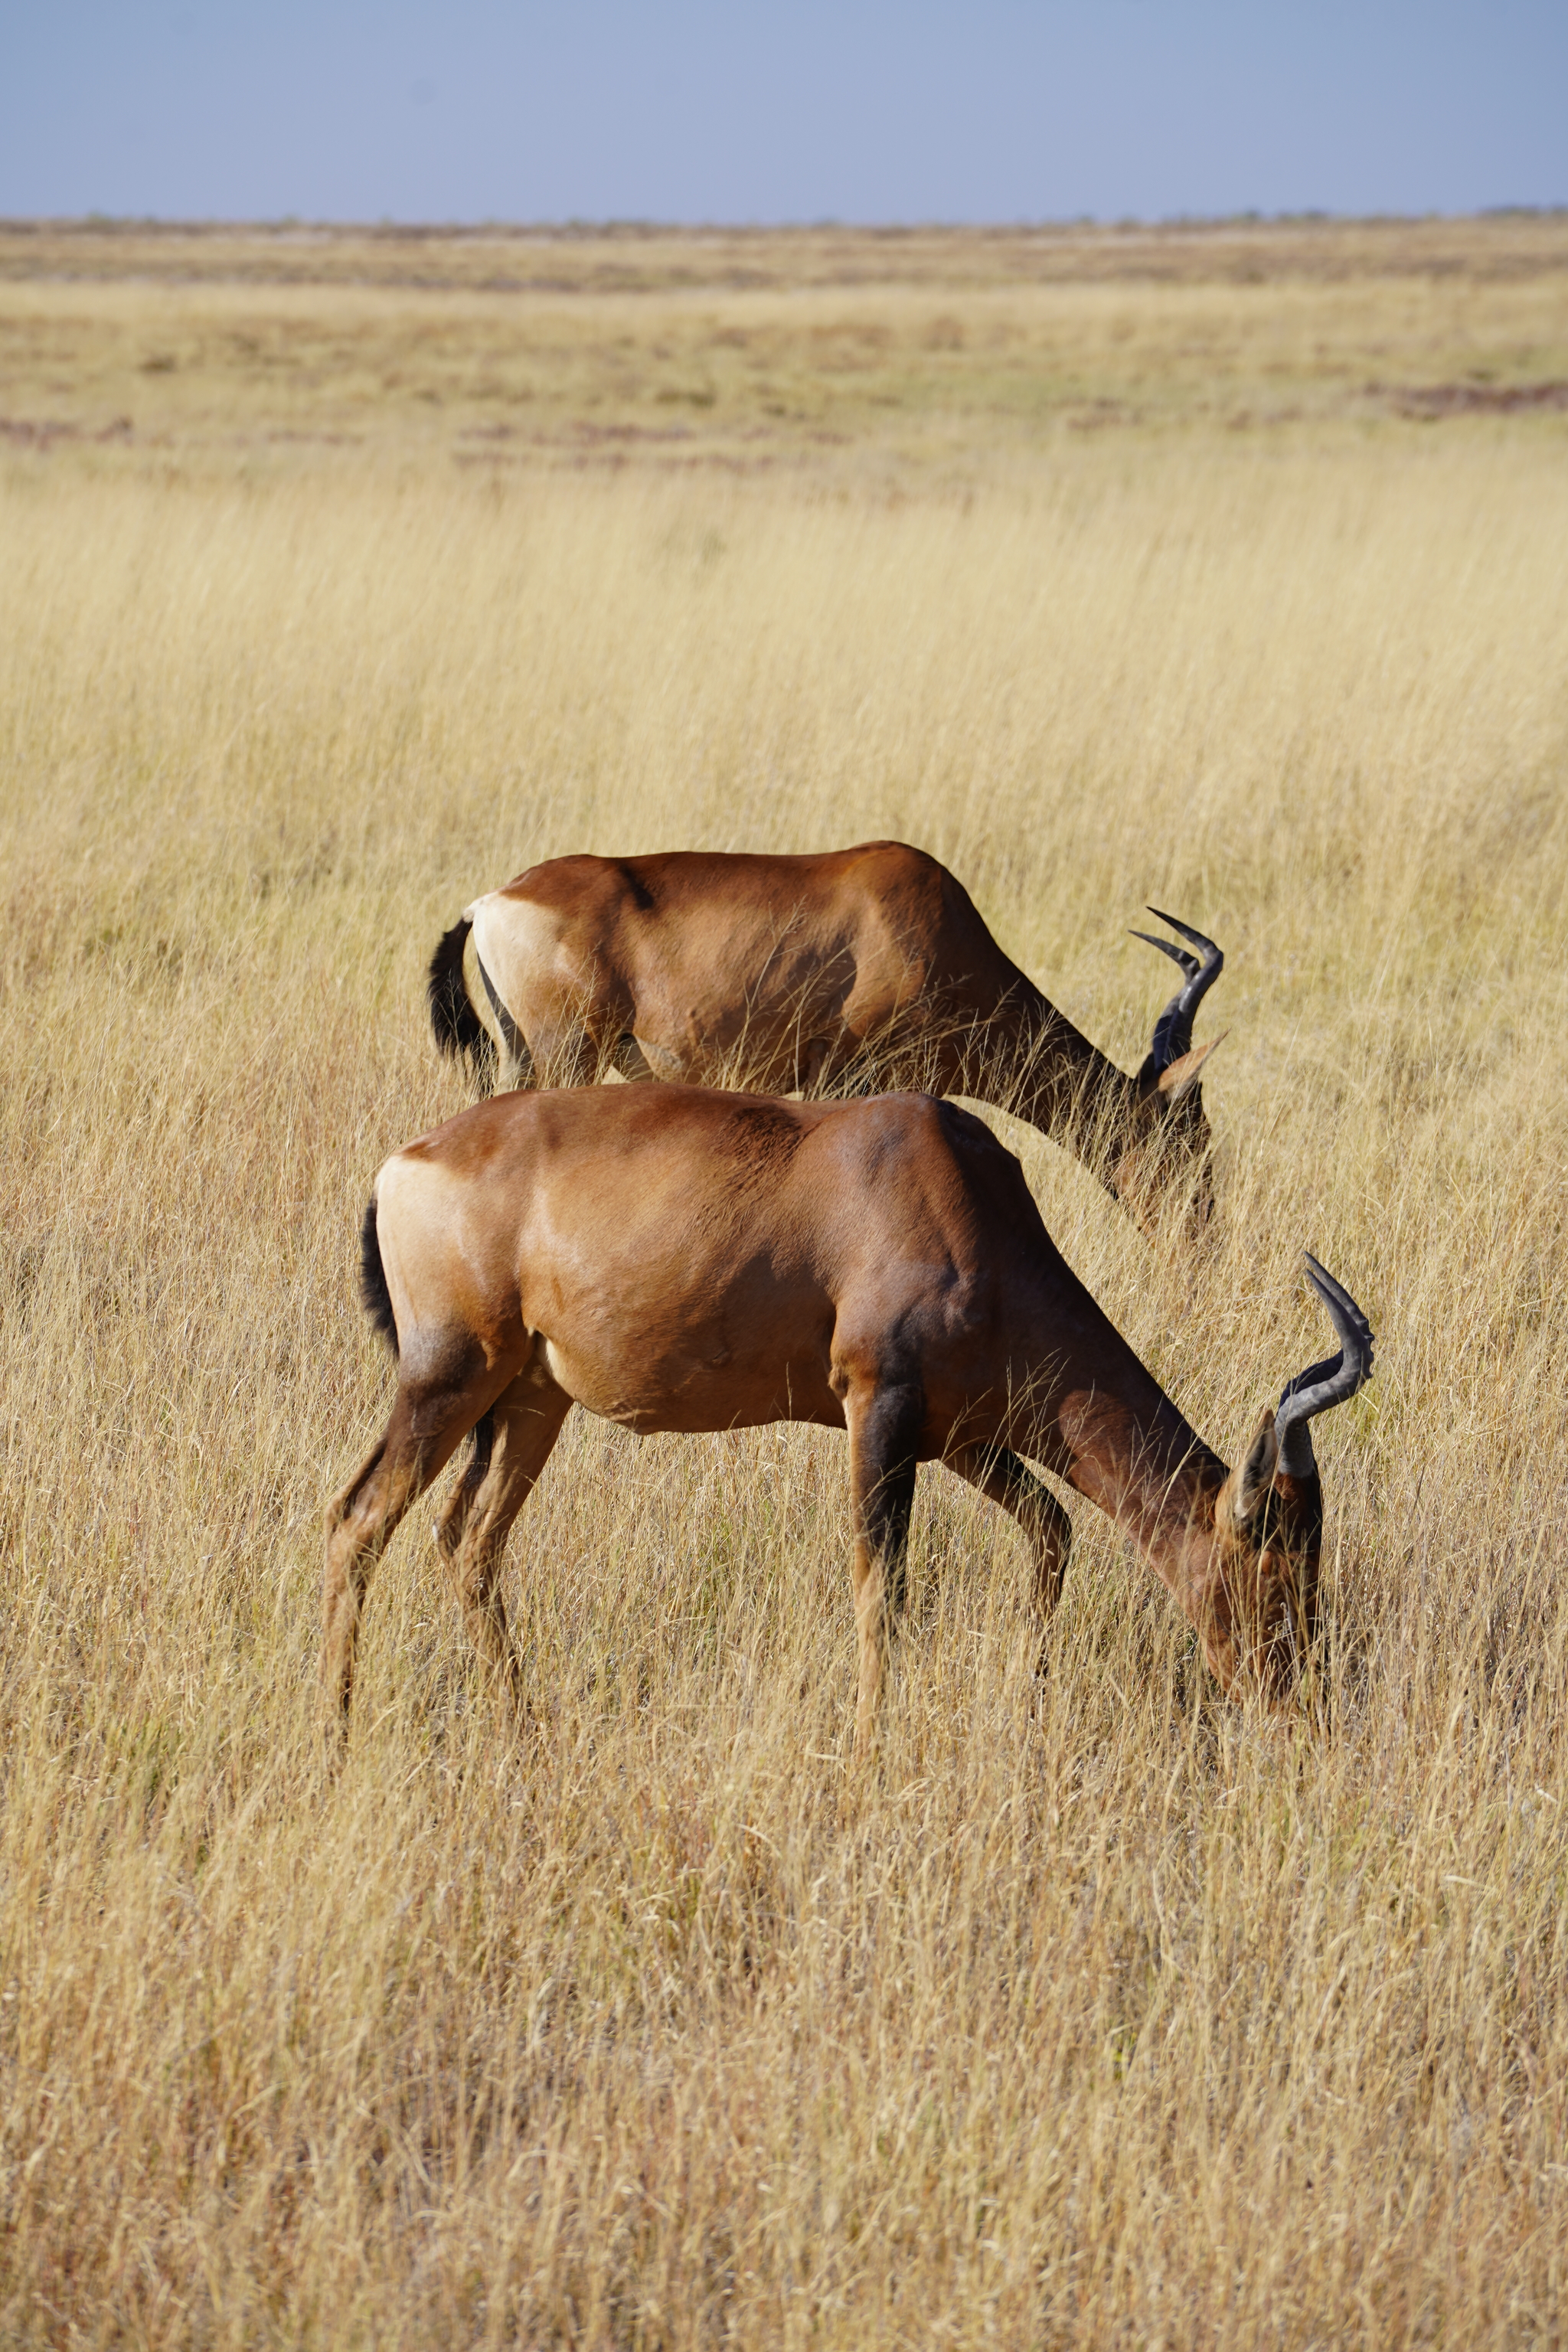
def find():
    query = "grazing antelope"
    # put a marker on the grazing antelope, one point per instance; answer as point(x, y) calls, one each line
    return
point(676, 1258)
point(852, 971)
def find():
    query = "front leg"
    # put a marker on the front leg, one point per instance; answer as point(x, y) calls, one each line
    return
point(1005, 1479)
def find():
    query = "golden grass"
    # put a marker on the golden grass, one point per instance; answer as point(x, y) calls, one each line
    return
point(1112, 2014)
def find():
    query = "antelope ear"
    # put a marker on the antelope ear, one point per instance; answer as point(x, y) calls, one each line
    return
point(1256, 1474)
point(1183, 1074)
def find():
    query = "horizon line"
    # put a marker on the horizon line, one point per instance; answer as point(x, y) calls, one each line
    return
point(614, 224)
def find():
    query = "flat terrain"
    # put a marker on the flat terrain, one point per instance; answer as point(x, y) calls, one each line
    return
point(930, 354)
point(346, 575)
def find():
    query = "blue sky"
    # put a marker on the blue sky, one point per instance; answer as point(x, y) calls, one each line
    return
point(1000, 110)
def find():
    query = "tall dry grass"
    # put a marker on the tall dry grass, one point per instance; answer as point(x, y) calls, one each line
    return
point(1112, 2014)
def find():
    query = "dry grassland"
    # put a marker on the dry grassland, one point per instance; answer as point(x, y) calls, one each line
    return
point(913, 359)
point(1109, 2013)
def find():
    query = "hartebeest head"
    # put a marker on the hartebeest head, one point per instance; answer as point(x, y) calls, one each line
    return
point(1262, 1611)
point(1172, 1137)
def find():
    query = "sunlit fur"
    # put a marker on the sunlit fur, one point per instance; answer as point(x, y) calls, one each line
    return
point(832, 973)
point(678, 1258)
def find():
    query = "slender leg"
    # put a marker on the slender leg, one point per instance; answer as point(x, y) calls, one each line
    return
point(884, 1433)
point(1011, 1483)
point(565, 1044)
point(447, 1529)
point(811, 1061)
point(631, 1061)
point(514, 1070)
point(418, 1440)
point(512, 1446)
point(514, 1062)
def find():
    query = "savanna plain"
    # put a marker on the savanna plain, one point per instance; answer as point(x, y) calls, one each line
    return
point(342, 576)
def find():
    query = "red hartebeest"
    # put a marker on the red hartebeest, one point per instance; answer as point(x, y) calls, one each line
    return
point(676, 1258)
point(856, 971)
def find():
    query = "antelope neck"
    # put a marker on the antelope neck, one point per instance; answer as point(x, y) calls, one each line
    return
point(1066, 1084)
point(1131, 1452)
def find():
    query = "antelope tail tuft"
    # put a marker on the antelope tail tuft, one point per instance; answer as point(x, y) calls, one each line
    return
point(460, 1033)
point(373, 1286)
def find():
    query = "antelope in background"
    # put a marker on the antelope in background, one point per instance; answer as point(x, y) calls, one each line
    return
point(852, 971)
point(678, 1258)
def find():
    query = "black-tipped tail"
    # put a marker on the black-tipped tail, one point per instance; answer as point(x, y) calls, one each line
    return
point(460, 1033)
point(373, 1286)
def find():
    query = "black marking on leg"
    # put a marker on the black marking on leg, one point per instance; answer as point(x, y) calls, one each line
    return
point(515, 1042)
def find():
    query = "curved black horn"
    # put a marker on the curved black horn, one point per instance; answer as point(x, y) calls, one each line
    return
point(1173, 1029)
point(1325, 1384)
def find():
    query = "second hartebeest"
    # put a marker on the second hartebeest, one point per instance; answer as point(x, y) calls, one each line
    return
point(855, 971)
point(679, 1258)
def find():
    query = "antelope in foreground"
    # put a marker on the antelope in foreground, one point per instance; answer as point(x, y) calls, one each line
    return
point(678, 1258)
point(855, 971)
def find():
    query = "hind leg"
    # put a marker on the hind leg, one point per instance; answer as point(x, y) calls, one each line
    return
point(513, 1070)
point(1006, 1480)
point(633, 1062)
point(511, 1445)
point(447, 1529)
point(419, 1438)
point(514, 1062)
